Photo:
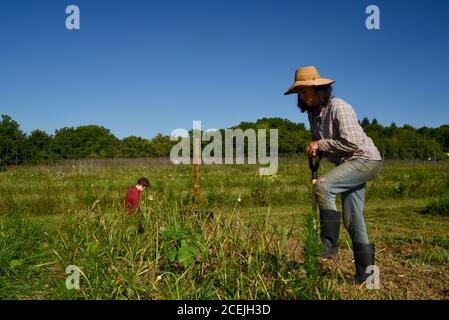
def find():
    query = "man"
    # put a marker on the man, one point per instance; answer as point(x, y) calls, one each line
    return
point(132, 197)
point(338, 136)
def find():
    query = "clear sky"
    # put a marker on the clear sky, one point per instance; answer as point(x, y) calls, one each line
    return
point(143, 67)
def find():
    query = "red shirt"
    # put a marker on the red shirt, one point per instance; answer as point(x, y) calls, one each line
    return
point(132, 200)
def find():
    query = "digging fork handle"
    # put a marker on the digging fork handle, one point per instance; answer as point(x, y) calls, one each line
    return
point(314, 164)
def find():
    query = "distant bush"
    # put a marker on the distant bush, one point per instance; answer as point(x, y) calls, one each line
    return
point(438, 206)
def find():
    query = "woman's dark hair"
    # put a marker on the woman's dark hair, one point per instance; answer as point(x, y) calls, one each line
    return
point(143, 182)
point(322, 97)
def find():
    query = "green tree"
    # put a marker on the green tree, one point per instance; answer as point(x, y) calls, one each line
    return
point(441, 134)
point(161, 145)
point(38, 147)
point(85, 142)
point(292, 137)
point(11, 141)
point(135, 147)
point(365, 122)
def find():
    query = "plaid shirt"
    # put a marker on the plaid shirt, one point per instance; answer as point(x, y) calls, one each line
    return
point(341, 137)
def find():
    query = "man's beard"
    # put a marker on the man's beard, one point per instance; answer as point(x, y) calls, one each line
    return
point(304, 106)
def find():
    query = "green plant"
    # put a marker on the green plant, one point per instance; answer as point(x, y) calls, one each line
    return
point(180, 246)
point(310, 253)
point(438, 206)
point(21, 249)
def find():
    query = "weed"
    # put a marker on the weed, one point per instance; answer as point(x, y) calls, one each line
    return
point(438, 206)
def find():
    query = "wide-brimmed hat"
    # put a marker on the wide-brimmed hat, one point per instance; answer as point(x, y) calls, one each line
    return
point(307, 76)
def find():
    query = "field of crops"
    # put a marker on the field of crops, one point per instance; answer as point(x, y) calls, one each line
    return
point(252, 238)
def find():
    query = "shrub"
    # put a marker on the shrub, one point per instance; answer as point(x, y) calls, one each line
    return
point(438, 206)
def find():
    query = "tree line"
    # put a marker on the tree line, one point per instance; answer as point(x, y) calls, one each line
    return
point(94, 141)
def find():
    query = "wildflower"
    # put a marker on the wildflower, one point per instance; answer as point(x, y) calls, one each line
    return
point(159, 278)
point(150, 197)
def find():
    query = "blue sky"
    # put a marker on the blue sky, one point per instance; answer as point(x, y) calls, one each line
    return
point(143, 67)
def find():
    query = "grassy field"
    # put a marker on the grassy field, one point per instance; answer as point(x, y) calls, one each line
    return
point(259, 244)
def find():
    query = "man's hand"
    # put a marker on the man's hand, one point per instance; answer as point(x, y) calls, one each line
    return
point(312, 148)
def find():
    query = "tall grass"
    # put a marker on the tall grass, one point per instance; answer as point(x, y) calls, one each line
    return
point(183, 257)
point(55, 190)
point(168, 251)
point(21, 256)
point(438, 206)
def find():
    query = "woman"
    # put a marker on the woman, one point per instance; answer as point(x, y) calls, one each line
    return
point(338, 136)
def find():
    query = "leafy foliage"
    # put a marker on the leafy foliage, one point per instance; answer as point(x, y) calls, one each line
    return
point(92, 141)
point(181, 246)
point(438, 206)
point(11, 141)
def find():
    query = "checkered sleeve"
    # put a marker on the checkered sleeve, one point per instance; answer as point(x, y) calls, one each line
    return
point(349, 133)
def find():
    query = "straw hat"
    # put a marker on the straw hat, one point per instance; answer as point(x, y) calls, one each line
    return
point(307, 76)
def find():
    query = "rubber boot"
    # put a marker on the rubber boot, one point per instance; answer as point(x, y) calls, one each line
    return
point(363, 257)
point(330, 230)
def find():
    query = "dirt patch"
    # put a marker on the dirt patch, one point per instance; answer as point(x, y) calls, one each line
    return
point(400, 278)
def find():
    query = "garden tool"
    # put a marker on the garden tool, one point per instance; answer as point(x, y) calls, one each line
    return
point(314, 164)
